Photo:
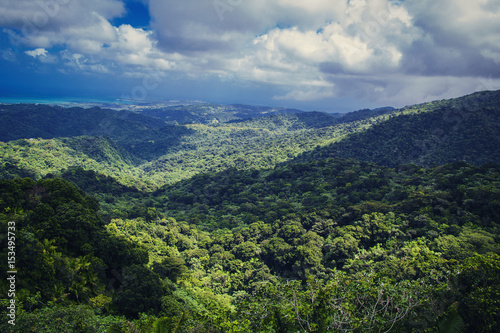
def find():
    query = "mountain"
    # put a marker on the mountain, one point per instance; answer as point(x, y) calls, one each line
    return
point(36, 158)
point(294, 121)
point(461, 129)
point(212, 113)
point(159, 152)
point(143, 136)
point(22, 121)
point(365, 114)
point(301, 221)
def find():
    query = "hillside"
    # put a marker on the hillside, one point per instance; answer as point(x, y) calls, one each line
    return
point(242, 241)
point(160, 153)
point(23, 121)
point(36, 158)
point(462, 129)
point(143, 136)
point(272, 223)
point(213, 113)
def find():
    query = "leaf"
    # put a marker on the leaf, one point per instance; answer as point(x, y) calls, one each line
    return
point(452, 322)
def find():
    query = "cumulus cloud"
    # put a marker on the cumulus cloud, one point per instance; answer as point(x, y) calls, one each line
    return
point(37, 53)
point(316, 61)
point(464, 42)
point(283, 42)
point(383, 51)
point(47, 14)
point(83, 30)
point(82, 25)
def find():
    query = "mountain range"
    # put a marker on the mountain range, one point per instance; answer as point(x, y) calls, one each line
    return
point(234, 218)
point(158, 146)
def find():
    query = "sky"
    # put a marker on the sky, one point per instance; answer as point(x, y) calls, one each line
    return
point(325, 55)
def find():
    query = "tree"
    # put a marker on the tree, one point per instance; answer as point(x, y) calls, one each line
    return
point(63, 318)
point(246, 250)
point(361, 303)
point(171, 268)
point(479, 285)
point(141, 291)
point(277, 253)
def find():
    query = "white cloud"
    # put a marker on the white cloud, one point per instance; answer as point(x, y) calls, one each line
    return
point(37, 53)
point(84, 32)
point(134, 40)
point(371, 49)
point(32, 17)
point(309, 59)
point(48, 23)
point(470, 28)
point(379, 50)
point(8, 55)
point(42, 55)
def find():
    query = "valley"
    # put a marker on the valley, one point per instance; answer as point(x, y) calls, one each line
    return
point(212, 218)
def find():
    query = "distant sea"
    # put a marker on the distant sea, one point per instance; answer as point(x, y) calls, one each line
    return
point(59, 100)
point(103, 102)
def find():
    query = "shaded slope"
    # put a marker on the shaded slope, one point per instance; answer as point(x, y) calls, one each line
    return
point(294, 121)
point(94, 182)
point(463, 129)
point(21, 121)
point(143, 136)
point(212, 113)
point(343, 190)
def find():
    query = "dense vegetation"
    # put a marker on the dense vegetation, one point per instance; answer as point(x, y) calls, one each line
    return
point(212, 113)
point(222, 228)
point(440, 133)
point(151, 157)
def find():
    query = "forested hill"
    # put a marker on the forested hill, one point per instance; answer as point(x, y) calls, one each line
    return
point(22, 121)
point(146, 226)
point(150, 152)
point(144, 137)
point(214, 253)
point(462, 129)
point(156, 152)
point(213, 113)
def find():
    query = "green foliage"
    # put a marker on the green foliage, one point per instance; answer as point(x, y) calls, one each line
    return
point(63, 252)
point(360, 224)
point(452, 322)
point(171, 268)
point(145, 152)
point(251, 240)
point(479, 283)
point(67, 318)
point(169, 324)
point(463, 129)
point(141, 291)
point(37, 158)
point(342, 303)
point(214, 113)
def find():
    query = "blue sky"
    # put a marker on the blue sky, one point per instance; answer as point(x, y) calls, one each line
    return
point(328, 55)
